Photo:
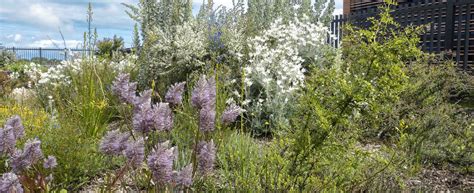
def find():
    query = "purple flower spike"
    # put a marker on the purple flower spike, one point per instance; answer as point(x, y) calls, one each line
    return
point(174, 95)
point(204, 93)
point(160, 162)
point(7, 140)
point(15, 123)
point(144, 120)
point(124, 88)
point(206, 157)
point(31, 154)
point(50, 163)
point(10, 183)
point(163, 117)
point(135, 152)
point(207, 119)
point(114, 142)
point(144, 100)
point(32, 151)
point(185, 176)
point(231, 113)
point(198, 95)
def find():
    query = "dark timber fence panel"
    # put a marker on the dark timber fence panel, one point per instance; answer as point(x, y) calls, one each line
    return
point(449, 26)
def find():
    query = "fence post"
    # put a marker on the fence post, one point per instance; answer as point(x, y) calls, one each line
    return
point(65, 54)
point(449, 25)
point(40, 56)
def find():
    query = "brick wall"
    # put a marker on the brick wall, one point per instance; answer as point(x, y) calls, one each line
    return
point(347, 7)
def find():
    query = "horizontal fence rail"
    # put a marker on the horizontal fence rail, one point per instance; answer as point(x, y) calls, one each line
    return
point(46, 54)
point(449, 26)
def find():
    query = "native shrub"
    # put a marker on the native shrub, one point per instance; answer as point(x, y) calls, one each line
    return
point(6, 57)
point(109, 46)
point(276, 72)
point(404, 94)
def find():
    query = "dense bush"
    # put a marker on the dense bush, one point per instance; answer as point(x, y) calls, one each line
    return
point(6, 57)
point(403, 94)
point(78, 160)
point(108, 46)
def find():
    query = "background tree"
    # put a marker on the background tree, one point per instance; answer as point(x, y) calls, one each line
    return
point(108, 46)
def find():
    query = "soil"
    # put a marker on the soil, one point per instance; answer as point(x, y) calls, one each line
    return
point(433, 179)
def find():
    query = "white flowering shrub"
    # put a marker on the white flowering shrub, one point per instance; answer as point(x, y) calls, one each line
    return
point(57, 75)
point(276, 70)
point(124, 64)
point(22, 94)
point(53, 75)
point(172, 52)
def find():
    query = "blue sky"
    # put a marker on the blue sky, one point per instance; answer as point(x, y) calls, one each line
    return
point(36, 23)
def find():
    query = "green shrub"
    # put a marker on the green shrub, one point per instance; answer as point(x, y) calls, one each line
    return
point(6, 57)
point(415, 105)
point(406, 94)
point(240, 160)
point(79, 162)
point(108, 46)
point(321, 148)
point(432, 127)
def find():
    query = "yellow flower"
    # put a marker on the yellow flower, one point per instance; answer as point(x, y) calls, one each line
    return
point(102, 104)
point(32, 118)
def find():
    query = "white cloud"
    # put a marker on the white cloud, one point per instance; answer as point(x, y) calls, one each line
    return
point(51, 14)
point(36, 14)
point(14, 37)
point(338, 11)
point(17, 37)
point(43, 15)
point(55, 43)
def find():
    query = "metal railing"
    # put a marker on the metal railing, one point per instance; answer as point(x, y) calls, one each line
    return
point(46, 54)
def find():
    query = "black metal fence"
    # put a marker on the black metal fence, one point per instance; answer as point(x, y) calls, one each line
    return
point(450, 26)
point(46, 54)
